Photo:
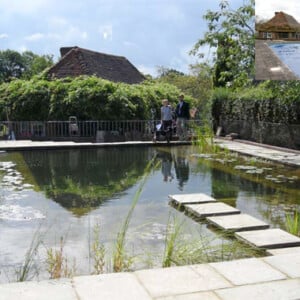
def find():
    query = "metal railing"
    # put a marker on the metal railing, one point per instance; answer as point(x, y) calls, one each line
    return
point(118, 130)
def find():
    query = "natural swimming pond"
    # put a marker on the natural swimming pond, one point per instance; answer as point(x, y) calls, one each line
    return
point(289, 54)
point(68, 193)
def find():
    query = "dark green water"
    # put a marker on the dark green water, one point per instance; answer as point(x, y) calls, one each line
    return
point(65, 193)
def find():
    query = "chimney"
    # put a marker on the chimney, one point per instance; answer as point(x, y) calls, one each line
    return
point(65, 50)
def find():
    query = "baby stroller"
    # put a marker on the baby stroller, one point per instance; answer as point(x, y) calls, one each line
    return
point(164, 134)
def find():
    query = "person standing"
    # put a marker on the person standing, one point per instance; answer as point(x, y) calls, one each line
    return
point(166, 119)
point(182, 113)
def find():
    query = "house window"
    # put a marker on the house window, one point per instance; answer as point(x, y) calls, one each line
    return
point(267, 35)
point(298, 35)
point(283, 35)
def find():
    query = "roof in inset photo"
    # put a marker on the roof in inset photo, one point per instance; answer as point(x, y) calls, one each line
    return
point(281, 21)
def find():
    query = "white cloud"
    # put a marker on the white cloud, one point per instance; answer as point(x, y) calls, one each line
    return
point(147, 70)
point(34, 37)
point(24, 7)
point(3, 36)
point(106, 32)
point(265, 9)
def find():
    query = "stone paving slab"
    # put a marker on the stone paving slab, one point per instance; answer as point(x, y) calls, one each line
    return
point(269, 238)
point(181, 280)
point(239, 222)
point(247, 271)
point(196, 198)
point(113, 286)
point(277, 155)
point(288, 250)
point(42, 290)
point(210, 209)
point(193, 296)
point(287, 263)
point(275, 290)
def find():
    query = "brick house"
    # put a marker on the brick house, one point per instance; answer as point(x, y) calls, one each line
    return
point(281, 27)
point(76, 61)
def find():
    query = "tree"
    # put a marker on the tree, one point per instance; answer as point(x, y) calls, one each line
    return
point(25, 65)
point(35, 64)
point(231, 33)
point(11, 65)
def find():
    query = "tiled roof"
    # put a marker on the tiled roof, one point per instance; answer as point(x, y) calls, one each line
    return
point(280, 22)
point(77, 61)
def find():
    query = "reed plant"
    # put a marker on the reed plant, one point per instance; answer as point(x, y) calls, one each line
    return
point(204, 249)
point(173, 231)
point(205, 138)
point(58, 263)
point(292, 223)
point(28, 270)
point(98, 252)
point(121, 260)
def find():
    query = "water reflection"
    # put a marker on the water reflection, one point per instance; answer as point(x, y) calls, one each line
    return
point(81, 180)
point(181, 165)
point(166, 165)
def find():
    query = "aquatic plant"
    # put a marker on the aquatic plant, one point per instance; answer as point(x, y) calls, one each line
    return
point(58, 264)
point(98, 252)
point(29, 269)
point(292, 223)
point(121, 260)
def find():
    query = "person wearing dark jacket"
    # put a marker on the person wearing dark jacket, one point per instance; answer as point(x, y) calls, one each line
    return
point(182, 113)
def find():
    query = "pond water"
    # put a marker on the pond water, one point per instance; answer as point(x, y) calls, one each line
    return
point(68, 193)
point(289, 54)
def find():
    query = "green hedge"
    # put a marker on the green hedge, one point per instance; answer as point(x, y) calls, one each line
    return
point(88, 98)
point(270, 101)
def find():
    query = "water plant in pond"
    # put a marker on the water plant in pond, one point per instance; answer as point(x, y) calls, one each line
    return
point(29, 269)
point(172, 234)
point(204, 139)
point(58, 264)
point(98, 252)
point(293, 223)
point(179, 251)
point(121, 260)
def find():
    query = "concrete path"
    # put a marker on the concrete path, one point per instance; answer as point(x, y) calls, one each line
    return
point(274, 277)
point(276, 154)
point(271, 277)
point(268, 66)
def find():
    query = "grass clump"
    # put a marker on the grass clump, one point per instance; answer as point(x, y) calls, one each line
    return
point(98, 252)
point(58, 264)
point(292, 223)
point(28, 269)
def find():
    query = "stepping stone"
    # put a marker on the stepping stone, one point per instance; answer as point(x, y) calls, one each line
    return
point(182, 199)
point(210, 209)
point(279, 251)
point(239, 222)
point(269, 238)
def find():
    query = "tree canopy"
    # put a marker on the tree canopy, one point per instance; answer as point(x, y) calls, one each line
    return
point(231, 33)
point(15, 65)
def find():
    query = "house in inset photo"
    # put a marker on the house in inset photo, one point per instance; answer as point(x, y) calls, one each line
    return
point(281, 27)
point(76, 61)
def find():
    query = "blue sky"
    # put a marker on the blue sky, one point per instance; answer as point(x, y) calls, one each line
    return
point(150, 33)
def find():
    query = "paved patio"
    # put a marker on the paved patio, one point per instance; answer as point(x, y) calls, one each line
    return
point(268, 66)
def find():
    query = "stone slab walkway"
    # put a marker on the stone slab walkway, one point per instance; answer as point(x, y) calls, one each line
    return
point(274, 277)
point(204, 210)
point(268, 66)
point(195, 198)
point(276, 154)
point(239, 222)
point(269, 238)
